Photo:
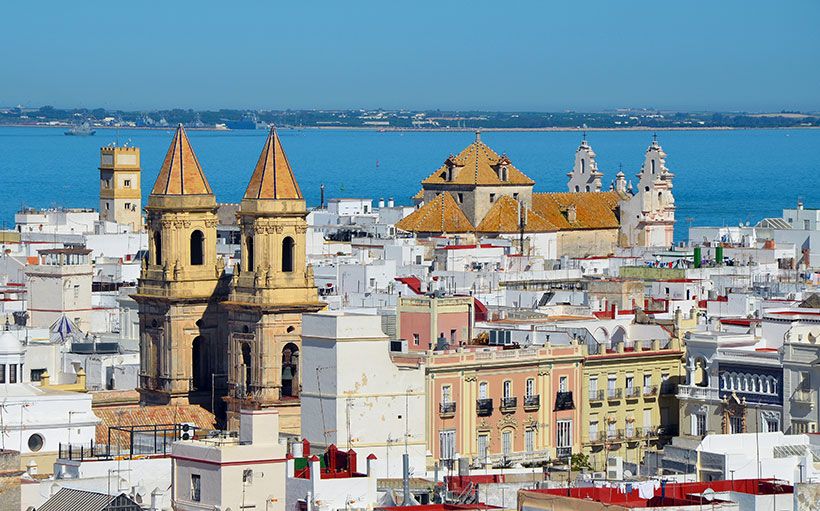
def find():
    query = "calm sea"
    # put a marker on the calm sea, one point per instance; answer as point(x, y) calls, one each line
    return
point(721, 177)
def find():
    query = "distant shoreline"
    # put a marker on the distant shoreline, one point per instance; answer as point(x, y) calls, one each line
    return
point(432, 130)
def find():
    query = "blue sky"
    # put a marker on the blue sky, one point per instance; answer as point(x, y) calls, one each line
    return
point(492, 55)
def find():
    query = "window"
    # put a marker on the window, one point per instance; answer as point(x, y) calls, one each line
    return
point(76, 292)
point(2, 373)
point(196, 482)
point(247, 476)
point(461, 198)
point(287, 254)
point(529, 389)
point(806, 225)
point(483, 446)
point(107, 206)
point(529, 440)
point(611, 431)
point(666, 386)
point(736, 425)
point(482, 390)
point(771, 424)
point(127, 183)
point(647, 380)
point(583, 165)
point(564, 433)
point(37, 374)
point(249, 253)
point(611, 382)
point(653, 166)
point(699, 424)
point(452, 336)
point(35, 442)
point(630, 429)
point(593, 386)
point(197, 248)
point(507, 389)
point(515, 196)
point(12, 373)
point(447, 444)
point(492, 197)
point(157, 248)
point(416, 339)
point(506, 442)
point(593, 430)
point(630, 381)
point(562, 384)
point(446, 394)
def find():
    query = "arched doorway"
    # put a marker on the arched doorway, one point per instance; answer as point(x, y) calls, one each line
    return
point(197, 248)
point(200, 370)
point(287, 254)
point(290, 370)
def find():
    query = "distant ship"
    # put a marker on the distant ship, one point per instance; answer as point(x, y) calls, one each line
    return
point(81, 130)
point(248, 122)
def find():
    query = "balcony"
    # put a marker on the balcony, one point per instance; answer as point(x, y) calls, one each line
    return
point(563, 401)
point(650, 391)
point(447, 410)
point(532, 403)
point(509, 404)
point(805, 397)
point(484, 407)
point(614, 436)
point(596, 437)
point(596, 396)
point(698, 393)
point(648, 432)
point(632, 392)
point(563, 452)
point(613, 394)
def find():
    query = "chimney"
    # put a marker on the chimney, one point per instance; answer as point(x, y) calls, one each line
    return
point(381, 202)
point(390, 202)
point(315, 470)
point(370, 459)
point(155, 495)
point(259, 426)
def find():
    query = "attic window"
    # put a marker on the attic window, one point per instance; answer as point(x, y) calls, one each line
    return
point(502, 173)
point(461, 198)
point(492, 197)
point(448, 174)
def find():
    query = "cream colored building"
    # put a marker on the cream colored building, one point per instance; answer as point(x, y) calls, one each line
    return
point(232, 472)
point(60, 284)
point(120, 187)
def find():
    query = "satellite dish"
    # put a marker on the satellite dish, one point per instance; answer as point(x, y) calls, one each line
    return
point(708, 494)
point(627, 473)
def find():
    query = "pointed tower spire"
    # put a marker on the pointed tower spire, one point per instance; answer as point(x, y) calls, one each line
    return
point(273, 178)
point(181, 173)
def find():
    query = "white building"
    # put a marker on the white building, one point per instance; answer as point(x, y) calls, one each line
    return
point(60, 284)
point(244, 471)
point(377, 407)
point(37, 420)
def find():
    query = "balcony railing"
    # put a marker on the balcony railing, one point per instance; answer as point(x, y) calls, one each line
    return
point(484, 407)
point(613, 394)
point(596, 437)
point(803, 396)
point(632, 392)
point(596, 395)
point(563, 452)
point(648, 432)
point(508, 404)
point(532, 403)
point(615, 435)
point(650, 390)
point(447, 409)
point(695, 392)
point(563, 401)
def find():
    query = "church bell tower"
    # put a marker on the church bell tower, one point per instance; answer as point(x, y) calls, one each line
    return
point(271, 288)
point(181, 338)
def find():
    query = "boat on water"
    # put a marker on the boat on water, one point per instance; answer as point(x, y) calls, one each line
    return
point(248, 122)
point(81, 130)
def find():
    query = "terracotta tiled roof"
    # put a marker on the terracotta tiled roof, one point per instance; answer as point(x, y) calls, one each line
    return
point(273, 178)
point(419, 195)
point(478, 165)
point(181, 173)
point(503, 218)
point(148, 416)
point(593, 210)
point(441, 214)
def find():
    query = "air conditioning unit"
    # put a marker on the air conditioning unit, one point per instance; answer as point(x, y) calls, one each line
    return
point(615, 468)
point(599, 475)
point(186, 431)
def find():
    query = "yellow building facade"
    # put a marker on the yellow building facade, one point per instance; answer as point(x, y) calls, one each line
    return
point(628, 394)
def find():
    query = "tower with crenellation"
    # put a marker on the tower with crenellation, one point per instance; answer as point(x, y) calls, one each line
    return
point(120, 188)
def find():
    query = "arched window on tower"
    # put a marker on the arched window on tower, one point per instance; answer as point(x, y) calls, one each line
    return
point(246, 367)
point(197, 248)
point(249, 253)
point(157, 247)
point(287, 254)
point(583, 165)
point(653, 166)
